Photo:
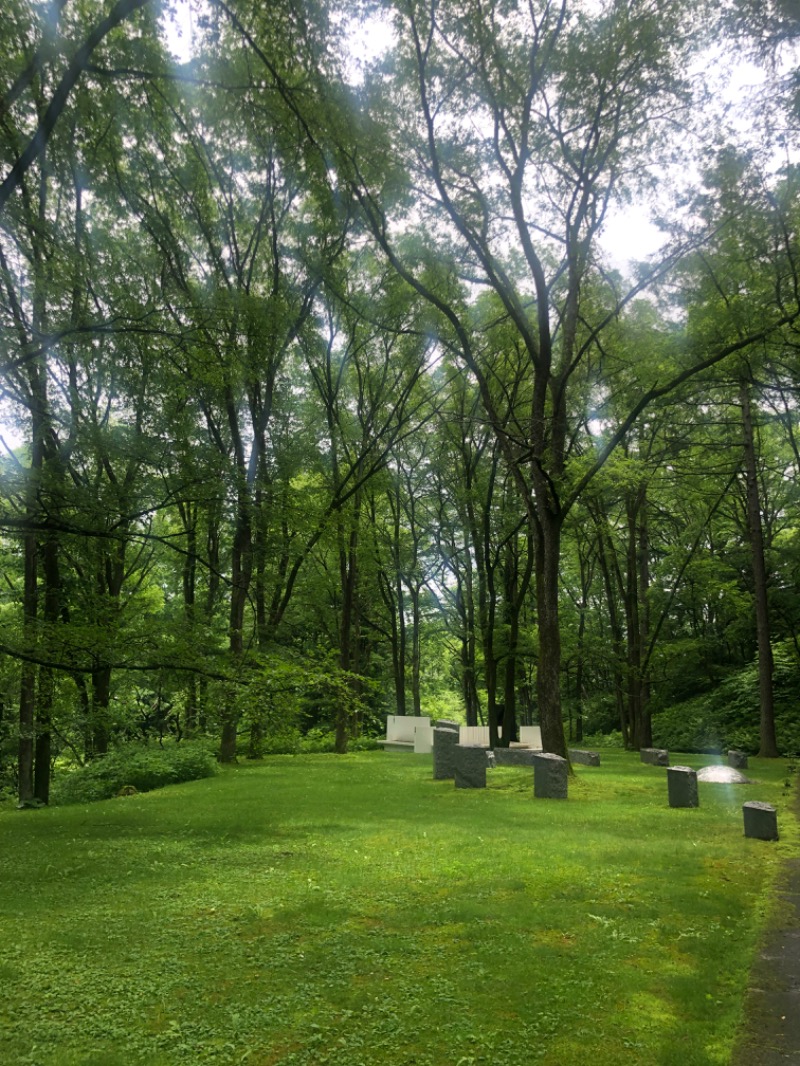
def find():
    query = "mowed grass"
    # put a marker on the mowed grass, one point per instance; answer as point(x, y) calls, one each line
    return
point(351, 910)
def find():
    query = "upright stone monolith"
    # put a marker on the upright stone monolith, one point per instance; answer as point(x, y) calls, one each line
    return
point(470, 766)
point(682, 786)
point(737, 759)
point(549, 776)
point(444, 741)
point(760, 821)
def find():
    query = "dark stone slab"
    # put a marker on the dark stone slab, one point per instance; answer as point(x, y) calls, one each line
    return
point(584, 758)
point(445, 723)
point(470, 766)
point(514, 756)
point(549, 776)
point(737, 759)
point(682, 786)
point(760, 820)
point(654, 756)
point(444, 743)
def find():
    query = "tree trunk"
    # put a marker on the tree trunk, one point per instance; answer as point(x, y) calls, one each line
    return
point(548, 679)
point(643, 563)
point(579, 664)
point(349, 627)
point(603, 549)
point(101, 701)
point(27, 699)
point(769, 746)
point(416, 651)
point(632, 625)
point(46, 695)
point(469, 684)
point(399, 621)
point(241, 575)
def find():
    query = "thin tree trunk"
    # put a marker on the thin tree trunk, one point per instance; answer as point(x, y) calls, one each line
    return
point(46, 695)
point(769, 746)
point(548, 680)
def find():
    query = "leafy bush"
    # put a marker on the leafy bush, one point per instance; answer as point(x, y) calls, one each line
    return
point(141, 767)
point(691, 726)
point(603, 740)
point(729, 716)
point(314, 742)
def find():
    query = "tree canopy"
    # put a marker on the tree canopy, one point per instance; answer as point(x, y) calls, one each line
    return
point(323, 397)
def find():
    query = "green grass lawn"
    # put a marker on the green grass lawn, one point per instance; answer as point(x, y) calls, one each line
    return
point(351, 910)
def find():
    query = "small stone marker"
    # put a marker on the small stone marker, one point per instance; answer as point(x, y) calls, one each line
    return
point(760, 821)
point(682, 786)
point(444, 741)
point(549, 776)
point(654, 756)
point(585, 758)
point(470, 766)
point(737, 759)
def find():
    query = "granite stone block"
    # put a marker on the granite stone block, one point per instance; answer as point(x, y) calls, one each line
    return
point(549, 776)
point(682, 786)
point(514, 756)
point(584, 758)
point(444, 743)
point(760, 821)
point(737, 759)
point(654, 756)
point(470, 766)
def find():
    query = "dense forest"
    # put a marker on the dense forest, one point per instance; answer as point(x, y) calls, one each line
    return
point(324, 398)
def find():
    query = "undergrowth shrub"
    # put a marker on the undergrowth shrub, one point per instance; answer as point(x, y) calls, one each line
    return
point(602, 740)
point(729, 717)
point(141, 767)
point(315, 742)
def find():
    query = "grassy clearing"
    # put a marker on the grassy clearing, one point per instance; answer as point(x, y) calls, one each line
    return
point(315, 909)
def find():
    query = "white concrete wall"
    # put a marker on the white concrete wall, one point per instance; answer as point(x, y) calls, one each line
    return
point(410, 729)
point(423, 739)
point(531, 735)
point(401, 727)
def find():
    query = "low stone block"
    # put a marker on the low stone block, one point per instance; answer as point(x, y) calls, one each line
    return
point(585, 758)
point(760, 821)
point(737, 760)
point(514, 756)
point(444, 742)
point(654, 756)
point(470, 766)
point(549, 776)
point(682, 786)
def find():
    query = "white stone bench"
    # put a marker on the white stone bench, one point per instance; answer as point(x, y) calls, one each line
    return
point(530, 736)
point(405, 732)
